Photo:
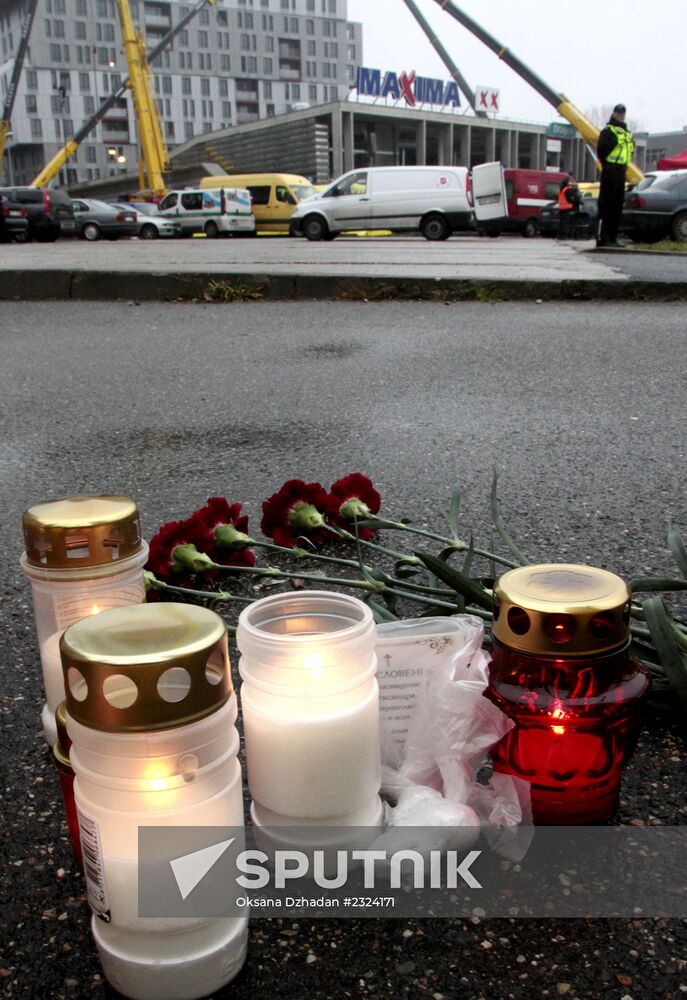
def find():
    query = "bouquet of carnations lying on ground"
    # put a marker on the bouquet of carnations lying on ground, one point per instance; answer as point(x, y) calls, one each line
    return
point(337, 539)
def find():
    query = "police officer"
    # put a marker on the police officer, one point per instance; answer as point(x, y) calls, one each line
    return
point(614, 149)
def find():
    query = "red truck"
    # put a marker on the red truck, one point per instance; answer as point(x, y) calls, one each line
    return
point(527, 191)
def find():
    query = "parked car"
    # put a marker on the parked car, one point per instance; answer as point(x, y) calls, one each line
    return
point(95, 219)
point(151, 224)
point(582, 222)
point(50, 213)
point(14, 222)
point(657, 208)
point(216, 212)
point(273, 196)
point(433, 200)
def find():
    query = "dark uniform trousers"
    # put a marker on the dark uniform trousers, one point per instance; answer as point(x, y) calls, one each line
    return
point(611, 198)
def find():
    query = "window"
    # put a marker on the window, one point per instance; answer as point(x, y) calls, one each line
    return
point(285, 196)
point(81, 8)
point(269, 43)
point(89, 104)
point(260, 195)
point(311, 47)
point(188, 130)
point(249, 64)
point(353, 184)
point(267, 67)
point(267, 22)
point(225, 63)
point(36, 128)
point(223, 87)
point(55, 52)
point(80, 29)
point(204, 16)
point(59, 29)
point(186, 85)
point(226, 110)
point(205, 86)
point(166, 85)
point(32, 79)
point(169, 130)
point(60, 7)
point(31, 104)
point(202, 39)
point(170, 201)
point(310, 27)
point(91, 154)
point(312, 91)
point(267, 88)
point(192, 201)
point(222, 18)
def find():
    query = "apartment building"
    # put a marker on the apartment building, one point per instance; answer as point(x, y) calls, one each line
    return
point(237, 62)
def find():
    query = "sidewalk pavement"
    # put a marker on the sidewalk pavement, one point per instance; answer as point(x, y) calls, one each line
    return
point(462, 268)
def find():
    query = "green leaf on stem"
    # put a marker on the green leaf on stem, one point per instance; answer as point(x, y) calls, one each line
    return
point(498, 524)
point(454, 512)
point(649, 585)
point(462, 585)
point(403, 568)
point(467, 562)
point(380, 614)
point(677, 547)
point(672, 660)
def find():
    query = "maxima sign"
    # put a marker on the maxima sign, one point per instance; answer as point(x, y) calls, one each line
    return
point(407, 86)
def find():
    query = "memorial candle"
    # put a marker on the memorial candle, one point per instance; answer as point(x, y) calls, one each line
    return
point(310, 710)
point(83, 555)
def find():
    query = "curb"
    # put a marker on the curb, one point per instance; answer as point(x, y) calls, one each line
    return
point(108, 286)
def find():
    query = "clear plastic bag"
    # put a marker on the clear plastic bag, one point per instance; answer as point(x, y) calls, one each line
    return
point(437, 728)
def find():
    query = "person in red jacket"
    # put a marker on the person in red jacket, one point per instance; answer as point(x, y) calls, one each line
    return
point(567, 202)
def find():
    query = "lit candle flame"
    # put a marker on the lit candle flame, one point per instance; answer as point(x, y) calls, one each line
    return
point(314, 663)
point(558, 713)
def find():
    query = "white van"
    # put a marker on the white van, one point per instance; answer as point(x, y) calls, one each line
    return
point(216, 212)
point(434, 200)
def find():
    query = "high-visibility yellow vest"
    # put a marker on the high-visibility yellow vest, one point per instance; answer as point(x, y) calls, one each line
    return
point(622, 154)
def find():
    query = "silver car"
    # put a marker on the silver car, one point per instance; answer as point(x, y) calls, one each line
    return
point(151, 224)
point(94, 219)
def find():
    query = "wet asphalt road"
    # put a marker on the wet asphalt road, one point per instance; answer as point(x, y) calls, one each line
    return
point(581, 409)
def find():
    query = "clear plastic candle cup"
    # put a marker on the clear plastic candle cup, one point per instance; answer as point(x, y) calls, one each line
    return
point(151, 713)
point(310, 706)
point(83, 555)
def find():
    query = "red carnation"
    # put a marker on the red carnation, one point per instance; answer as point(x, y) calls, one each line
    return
point(355, 497)
point(296, 510)
point(162, 545)
point(218, 513)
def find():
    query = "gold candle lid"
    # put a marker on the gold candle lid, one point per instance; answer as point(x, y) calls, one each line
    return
point(561, 609)
point(82, 531)
point(145, 667)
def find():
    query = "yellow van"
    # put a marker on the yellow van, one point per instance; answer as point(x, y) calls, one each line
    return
point(274, 196)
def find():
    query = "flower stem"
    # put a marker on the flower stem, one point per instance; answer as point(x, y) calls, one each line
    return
point(215, 595)
point(452, 543)
point(301, 553)
point(277, 574)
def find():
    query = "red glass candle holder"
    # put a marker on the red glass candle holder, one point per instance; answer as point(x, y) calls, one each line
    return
point(65, 773)
point(561, 670)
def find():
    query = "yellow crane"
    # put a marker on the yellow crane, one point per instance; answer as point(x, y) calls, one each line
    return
point(565, 108)
point(153, 163)
point(10, 97)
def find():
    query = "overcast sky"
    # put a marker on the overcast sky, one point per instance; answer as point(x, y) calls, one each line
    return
point(596, 52)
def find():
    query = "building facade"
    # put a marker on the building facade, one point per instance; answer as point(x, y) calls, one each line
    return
point(237, 62)
point(660, 144)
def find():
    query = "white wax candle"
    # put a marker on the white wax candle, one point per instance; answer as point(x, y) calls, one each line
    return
point(53, 679)
point(310, 765)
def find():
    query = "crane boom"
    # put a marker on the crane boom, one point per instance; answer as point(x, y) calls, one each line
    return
point(587, 129)
point(154, 160)
point(26, 26)
point(51, 169)
point(444, 56)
